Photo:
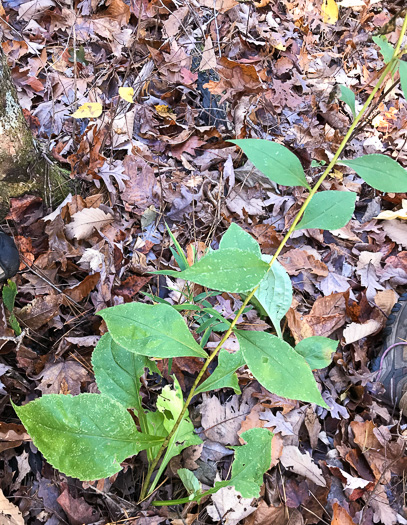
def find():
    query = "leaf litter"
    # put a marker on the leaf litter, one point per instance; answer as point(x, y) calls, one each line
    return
point(199, 75)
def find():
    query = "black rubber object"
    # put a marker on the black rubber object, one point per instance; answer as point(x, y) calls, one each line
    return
point(9, 257)
point(391, 363)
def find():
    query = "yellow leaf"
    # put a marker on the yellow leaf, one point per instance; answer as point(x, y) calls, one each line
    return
point(337, 174)
point(88, 110)
point(165, 111)
point(126, 93)
point(330, 12)
point(398, 214)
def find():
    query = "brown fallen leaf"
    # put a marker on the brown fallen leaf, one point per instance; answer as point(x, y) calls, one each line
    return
point(142, 189)
point(83, 289)
point(78, 511)
point(40, 311)
point(12, 435)
point(62, 378)
point(340, 516)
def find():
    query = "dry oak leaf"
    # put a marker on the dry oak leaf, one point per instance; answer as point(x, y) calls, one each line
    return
point(229, 506)
point(327, 315)
point(302, 464)
point(296, 261)
point(64, 377)
point(141, 188)
point(85, 221)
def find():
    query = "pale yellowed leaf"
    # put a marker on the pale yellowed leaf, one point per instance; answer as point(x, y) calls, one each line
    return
point(165, 111)
point(88, 110)
point(126, 93)
point(9, 513)
point(398, 214)
point(208, 56)
point(330, 12)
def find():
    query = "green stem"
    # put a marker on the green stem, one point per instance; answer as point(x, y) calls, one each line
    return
point(212, 356)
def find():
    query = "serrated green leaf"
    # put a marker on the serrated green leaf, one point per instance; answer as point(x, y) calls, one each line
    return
point(328, 210)
point(317, 350)
point(228, 270)
point(380, 171)
point(224, 374)
point(152, 330)
point(403, 77)
point(170, 403)
point(9, 293)
point(189, 480)
point(118, 371)
point(348, 96)
point(278, 367)
point(85, 436)
point(251, 462)
point(237, 237)
point(275, 293)
point(386, 48)
point(274, 160)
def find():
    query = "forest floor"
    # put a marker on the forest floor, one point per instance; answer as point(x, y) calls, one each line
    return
point(203, 72)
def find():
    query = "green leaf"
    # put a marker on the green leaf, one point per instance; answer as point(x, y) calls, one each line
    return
point(228, 270)
point(328, 210)
point(152, 330)
point(118, 371)
point(348, 96)
point(237, 237)
point(278, 367)
point(189, 481)
point(275, 293)
point(15, 325)
point(170, 404)
point(317, 351)
point(224, 374)
point(274, 160)
point(9, 293)
point(179, 254)
point(251, 462)
point(85, 436)
point(380, 171)
point(403, 77)
point(386, 48)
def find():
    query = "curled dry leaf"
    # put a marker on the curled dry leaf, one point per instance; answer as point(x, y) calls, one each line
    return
point(356, 331)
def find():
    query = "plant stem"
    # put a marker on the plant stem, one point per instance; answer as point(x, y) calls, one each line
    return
point(212, 356)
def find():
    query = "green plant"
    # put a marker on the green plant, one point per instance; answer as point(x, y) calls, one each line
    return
point(9, 293)
point(87, 436)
